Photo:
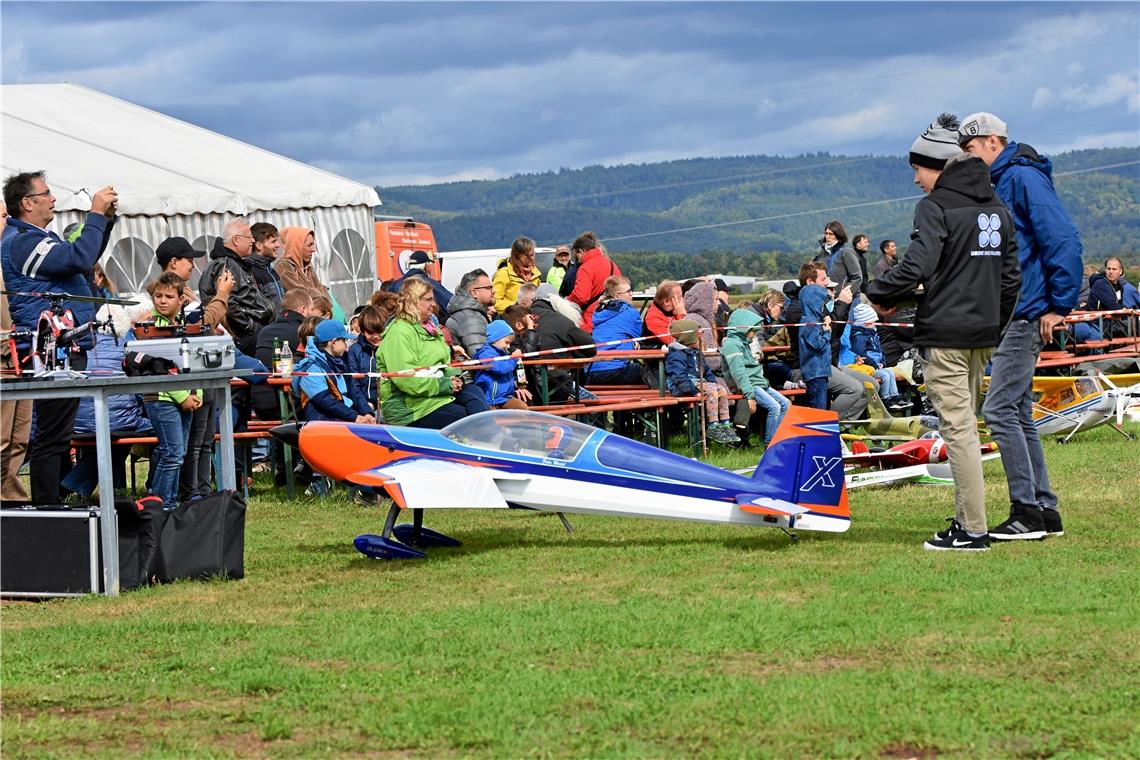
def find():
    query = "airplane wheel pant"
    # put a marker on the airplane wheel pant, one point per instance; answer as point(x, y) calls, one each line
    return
point(49, 453)
point(1008, 411)
point(953, 384)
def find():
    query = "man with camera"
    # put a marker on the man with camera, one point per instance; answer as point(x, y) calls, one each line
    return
point(35, 260)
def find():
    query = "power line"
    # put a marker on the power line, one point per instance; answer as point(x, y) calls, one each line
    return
point(847, 207)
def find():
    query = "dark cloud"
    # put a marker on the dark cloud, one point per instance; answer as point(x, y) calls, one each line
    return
point(394, 92)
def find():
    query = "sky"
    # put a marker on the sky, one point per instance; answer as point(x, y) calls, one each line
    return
point(416, 93)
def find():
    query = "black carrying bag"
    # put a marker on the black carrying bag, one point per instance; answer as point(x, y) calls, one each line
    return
point(204, 538)
point(140, 527)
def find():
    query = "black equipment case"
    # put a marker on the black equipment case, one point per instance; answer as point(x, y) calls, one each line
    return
point(50, 551)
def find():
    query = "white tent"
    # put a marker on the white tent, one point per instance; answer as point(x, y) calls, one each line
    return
point(174, 178)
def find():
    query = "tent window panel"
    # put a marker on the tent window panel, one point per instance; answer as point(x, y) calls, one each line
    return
point(349, 267)
point(131, 265)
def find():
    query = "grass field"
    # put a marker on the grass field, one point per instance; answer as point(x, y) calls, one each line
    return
point(628, 638)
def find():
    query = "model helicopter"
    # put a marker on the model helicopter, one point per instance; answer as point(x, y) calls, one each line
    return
point(57, 336)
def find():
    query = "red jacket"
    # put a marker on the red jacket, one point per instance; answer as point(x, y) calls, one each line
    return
point(593, 271)
point(657, 322)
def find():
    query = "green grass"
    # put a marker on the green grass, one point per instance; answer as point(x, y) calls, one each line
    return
point(627, 638)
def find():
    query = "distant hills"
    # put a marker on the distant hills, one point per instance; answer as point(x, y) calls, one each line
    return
point(754, 212)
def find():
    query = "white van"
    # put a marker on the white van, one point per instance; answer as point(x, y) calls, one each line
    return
point(455, 264)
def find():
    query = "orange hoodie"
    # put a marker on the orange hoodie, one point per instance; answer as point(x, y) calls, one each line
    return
point(291, 268)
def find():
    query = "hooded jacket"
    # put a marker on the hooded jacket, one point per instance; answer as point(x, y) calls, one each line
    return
point(467, 322)
point(497, 379)
point(590, 282)
point(614, 320)
point(740, 365)
point(962, 251)
point(700, 305)
point(37, 260)
point(682, 366)
point(291, 267)
point(247, 310)
point(407, 398)
point(1048, 246)
point(815, 341)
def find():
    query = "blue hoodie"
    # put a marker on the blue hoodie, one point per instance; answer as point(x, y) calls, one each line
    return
point(815, 341)
point(1048, 245)
point(497, 381)
point(614, 320)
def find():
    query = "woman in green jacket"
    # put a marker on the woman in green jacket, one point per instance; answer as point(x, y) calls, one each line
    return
point(432, 393)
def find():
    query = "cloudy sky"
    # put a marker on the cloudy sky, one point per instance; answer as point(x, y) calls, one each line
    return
point(393, 93)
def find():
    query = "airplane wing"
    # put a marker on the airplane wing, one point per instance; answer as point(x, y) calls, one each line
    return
point(870, 458)
point(423, 483)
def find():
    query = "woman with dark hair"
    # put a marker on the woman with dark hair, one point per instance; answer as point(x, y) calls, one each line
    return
point(431, 394)
point(841, 262)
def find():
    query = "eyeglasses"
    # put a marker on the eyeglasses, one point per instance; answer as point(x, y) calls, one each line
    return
point(45, 194)
point(623, 292)
point(483, 287)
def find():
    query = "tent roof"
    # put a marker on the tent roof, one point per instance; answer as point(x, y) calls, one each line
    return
point(85, 140)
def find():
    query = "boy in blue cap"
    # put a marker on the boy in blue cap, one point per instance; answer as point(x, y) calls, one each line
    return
point(497, 378)
point(326, 393)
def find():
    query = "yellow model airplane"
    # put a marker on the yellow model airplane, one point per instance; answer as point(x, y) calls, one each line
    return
point(1071, 404)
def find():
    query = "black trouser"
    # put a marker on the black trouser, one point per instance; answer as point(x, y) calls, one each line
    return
point(49, 453)
point(197, 468)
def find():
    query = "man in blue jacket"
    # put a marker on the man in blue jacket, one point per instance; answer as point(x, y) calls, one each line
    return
point(1049, 250)
point(37, 260)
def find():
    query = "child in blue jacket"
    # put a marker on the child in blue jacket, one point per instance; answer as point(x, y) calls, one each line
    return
point(497, 378)
point(684, 378)
point(326, 392)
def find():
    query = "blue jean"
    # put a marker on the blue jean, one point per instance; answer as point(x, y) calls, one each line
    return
point(817, 392)
point(468, 401)
point(888, 386)
point(172, 427)
point(1008, 410)
point(776, 407)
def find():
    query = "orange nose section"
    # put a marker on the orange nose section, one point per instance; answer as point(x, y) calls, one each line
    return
point(333, 449)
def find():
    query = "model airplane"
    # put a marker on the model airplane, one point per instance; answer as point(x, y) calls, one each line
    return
point(918, 461)
point(529, 460)
point(880, 422)
point(1069, 405)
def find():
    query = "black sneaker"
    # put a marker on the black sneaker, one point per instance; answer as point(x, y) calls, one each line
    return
point(958, 541)
point(1023, 525)
point(943, 534)
point(1052, 520)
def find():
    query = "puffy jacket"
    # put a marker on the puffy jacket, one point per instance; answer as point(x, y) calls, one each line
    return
point(327, 394)
point(248, 310)
point(555, 275)
point(865, 342)
point(594, 269)
point(38, 260)
point(497, 379)
point(407, 398)
point(815, 341)
point(740, 365)
point(125, 411)
point(361, 359)
point(962, 251)
point(614, 320)
point(467, 322)
point(701, 307)
point(681, 367)
point(1048, 246)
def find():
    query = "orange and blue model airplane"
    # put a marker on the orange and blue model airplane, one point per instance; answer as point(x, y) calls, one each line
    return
point(530, 460)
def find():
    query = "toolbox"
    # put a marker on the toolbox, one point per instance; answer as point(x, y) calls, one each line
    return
point(190, 352)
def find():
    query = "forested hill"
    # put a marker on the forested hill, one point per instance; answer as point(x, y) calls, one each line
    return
point(763, 204)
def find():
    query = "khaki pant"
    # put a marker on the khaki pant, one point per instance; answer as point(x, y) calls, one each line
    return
point(953, 383)
point(15, 426)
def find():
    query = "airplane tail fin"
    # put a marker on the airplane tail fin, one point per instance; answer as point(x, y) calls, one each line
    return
point(876, 410)
point(803, 465)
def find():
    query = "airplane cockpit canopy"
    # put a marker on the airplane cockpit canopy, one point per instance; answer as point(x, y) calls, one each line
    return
point(515, 431)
